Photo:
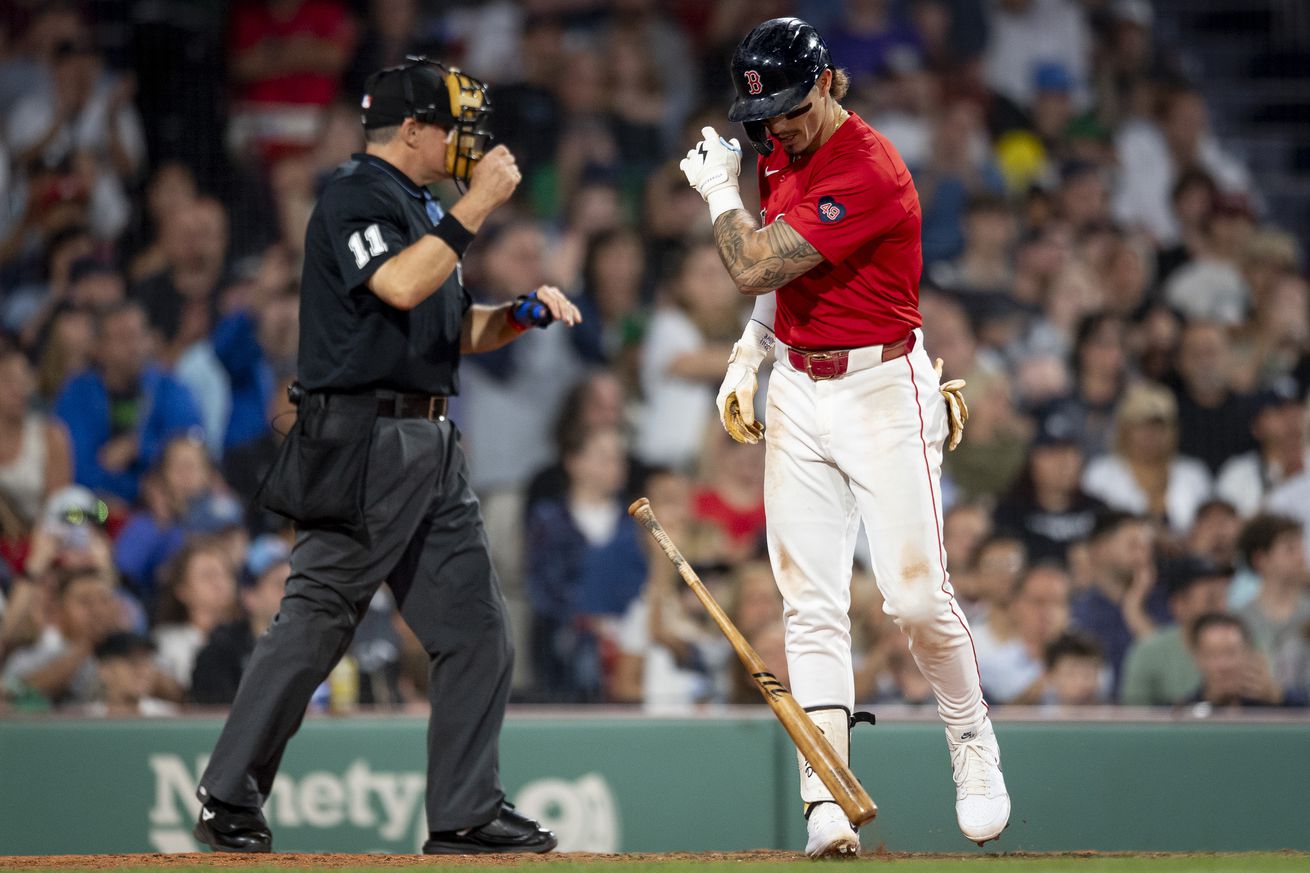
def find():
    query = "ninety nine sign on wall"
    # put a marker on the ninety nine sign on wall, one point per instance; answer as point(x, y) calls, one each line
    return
point(385, 808)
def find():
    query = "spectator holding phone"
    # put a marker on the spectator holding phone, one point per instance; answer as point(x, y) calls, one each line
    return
point(1233, 672)
point(59, 667)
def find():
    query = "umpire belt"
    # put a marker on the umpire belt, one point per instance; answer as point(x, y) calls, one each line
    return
point(429, 406)
point(391, 404)
point(829, 364)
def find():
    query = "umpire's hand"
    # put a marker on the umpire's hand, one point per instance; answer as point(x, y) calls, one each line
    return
point(542, 308)
point(495, 177)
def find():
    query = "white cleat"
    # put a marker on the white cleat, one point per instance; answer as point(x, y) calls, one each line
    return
point(982, 805)
point(831, 833)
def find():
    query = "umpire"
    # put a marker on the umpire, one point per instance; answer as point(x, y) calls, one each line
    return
point(372, 471)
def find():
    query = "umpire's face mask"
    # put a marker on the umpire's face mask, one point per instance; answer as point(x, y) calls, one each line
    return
point(450, 100)
point(468, 138)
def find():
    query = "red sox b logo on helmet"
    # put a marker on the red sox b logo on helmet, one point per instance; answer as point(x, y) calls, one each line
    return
point(753, 83)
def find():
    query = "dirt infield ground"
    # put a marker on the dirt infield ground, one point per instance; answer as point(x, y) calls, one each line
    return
point(687, 862)
point(296, 860)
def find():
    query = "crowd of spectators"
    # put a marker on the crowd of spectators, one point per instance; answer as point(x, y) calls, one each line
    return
point(1126, 520)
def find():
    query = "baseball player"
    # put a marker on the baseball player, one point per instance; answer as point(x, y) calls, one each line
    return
point(856, 426)
point(373, 472)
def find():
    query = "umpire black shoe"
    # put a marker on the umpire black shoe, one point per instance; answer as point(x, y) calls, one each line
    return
point(508, 832)
point(227, 828)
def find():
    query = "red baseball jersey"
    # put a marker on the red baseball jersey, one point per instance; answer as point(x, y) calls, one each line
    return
point(854, 201)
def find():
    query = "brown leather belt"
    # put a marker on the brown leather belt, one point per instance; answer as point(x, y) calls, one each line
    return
point(831, 364)
point(429, 406)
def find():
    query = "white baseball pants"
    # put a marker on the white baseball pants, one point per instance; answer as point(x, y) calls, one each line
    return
point(866, 445)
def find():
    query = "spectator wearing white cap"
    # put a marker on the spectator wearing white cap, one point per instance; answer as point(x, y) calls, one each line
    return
point(71, 536)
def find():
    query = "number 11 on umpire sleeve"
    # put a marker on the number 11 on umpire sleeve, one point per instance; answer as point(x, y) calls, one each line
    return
point(376, 244)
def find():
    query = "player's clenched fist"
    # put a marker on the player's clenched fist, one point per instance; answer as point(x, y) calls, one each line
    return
point(713, 165)
point(495, 176)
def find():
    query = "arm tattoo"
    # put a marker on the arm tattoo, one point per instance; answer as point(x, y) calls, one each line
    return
point(762, 260)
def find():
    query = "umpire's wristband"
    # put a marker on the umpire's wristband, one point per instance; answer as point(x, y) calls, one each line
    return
point(454, 234)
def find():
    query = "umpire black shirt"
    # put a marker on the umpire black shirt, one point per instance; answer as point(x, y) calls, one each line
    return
point(350, 340)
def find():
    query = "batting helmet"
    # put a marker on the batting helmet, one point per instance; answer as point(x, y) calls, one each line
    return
point(773, 69)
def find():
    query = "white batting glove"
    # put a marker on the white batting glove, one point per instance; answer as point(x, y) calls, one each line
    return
point(736, 400)
point(712, 168)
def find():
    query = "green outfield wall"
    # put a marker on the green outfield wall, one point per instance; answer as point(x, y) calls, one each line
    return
point(626, 783)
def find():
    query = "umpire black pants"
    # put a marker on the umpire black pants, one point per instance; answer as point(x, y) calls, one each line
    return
point(426, 540)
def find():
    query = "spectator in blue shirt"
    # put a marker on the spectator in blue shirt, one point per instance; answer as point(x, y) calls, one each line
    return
point(122, 410)
point(584, 563)
point(236, 344)
point(256, 344)
point(155, 533)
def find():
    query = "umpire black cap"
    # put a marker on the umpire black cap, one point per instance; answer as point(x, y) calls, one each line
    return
point(410, 91)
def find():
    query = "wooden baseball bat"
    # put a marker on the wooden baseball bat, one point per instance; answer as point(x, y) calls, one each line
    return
point(831, 770)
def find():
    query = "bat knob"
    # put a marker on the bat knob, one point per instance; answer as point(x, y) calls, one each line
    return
point(641, 503)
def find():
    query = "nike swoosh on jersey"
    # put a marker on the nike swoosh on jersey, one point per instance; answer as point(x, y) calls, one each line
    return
point(771, 172)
